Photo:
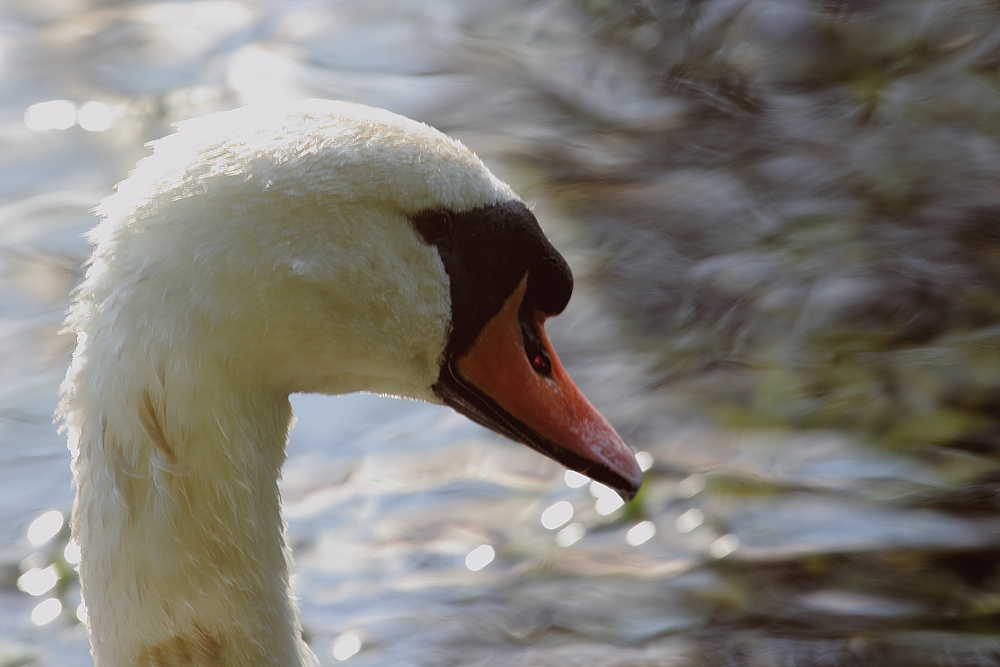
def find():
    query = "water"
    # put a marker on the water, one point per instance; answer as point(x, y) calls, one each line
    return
point(754, 544)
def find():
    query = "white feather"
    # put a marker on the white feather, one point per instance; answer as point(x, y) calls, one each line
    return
point(255, 253)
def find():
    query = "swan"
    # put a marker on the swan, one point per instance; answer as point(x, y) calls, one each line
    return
point(309, 246)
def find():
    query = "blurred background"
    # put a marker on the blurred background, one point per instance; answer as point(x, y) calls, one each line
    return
point(784, 219)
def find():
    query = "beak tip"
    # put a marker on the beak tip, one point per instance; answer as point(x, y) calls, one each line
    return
point(628, 495)
point(631, 487)
point(625, 478)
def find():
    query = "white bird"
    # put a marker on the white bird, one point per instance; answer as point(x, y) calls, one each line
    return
point(310, 246)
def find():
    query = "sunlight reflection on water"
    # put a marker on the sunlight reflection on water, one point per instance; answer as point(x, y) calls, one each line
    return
point(38, 581)
point(397, 511)
point(570, 535)
point(690, 520)
point(575, 480)
point(46, 611)
point(72, 553)
point(557, 515)
point(52, 115)
point(724, 546)
point(95, 116)
point(346, 646)
point(640, 533)
point(479, 557)
point(45, 527)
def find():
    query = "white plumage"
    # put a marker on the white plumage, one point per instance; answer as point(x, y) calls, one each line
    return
point(257, 252)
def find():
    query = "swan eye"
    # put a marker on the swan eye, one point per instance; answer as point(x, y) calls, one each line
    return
point(533, 349)
point(542, 364)
point(434, 226)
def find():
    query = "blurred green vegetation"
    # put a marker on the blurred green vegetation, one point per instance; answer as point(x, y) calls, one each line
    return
point(808, 236)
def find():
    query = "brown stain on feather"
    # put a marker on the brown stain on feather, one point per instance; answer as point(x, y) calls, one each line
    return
point(150, 420)
point(195, 649)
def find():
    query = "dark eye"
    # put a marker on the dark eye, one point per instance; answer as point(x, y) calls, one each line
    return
point(434, 226)
point(537, 356)
point(541, 363)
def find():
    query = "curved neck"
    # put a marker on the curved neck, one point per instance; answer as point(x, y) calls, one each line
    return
point(178, 514)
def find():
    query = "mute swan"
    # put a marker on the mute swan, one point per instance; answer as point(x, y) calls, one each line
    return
point(312, 246)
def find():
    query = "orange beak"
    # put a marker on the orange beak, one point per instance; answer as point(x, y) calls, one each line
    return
point(520, 389)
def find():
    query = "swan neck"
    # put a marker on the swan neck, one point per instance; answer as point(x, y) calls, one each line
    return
point(178, 515)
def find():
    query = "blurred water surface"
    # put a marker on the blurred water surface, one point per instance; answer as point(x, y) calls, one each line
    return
point(783, 219)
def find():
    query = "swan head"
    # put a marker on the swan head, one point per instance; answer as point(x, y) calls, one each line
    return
point(331, 247)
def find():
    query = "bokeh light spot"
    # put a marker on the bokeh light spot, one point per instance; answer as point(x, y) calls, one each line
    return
point(640, 533)
point(81, 612)
point(575, 480)
point(608, 499)
point(38, 581)
point(557, 515)
point(346, 645)
point(45, 527)
point(72, 553)
point(691, 486)
point(51, 115)
point(46, 611)
point(571, 534)
point(723, 546)
point(95, 117)
point(608, 504)
point(690, 520)
point(479, 557)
